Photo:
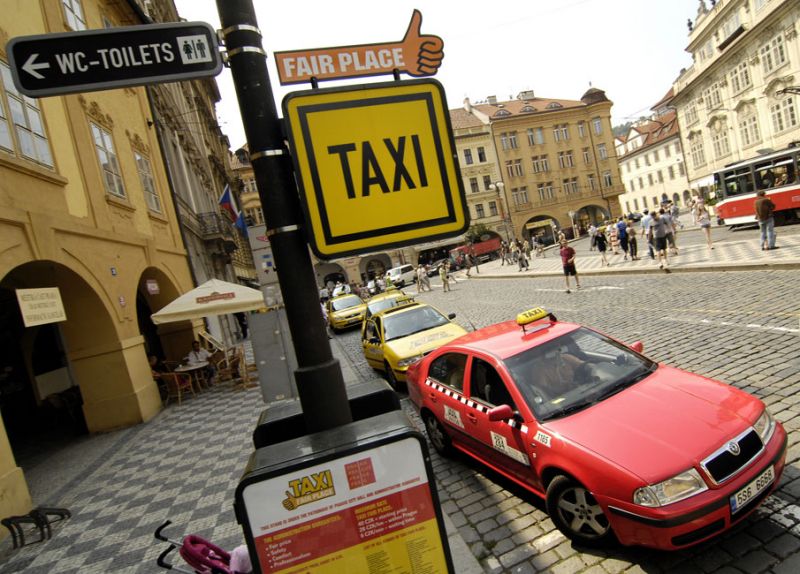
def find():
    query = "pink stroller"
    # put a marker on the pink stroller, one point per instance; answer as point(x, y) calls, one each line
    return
point(203, 556)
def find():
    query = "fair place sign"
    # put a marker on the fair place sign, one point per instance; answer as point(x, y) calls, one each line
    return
point(377, 166)
point(416, 54)
point(41, 306)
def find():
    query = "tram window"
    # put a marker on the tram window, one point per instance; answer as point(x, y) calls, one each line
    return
point(744, 178)
point(731, 184)
point(765, 175)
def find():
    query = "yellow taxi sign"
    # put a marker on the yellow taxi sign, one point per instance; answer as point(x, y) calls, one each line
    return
point(376, 166)
point(531, 315)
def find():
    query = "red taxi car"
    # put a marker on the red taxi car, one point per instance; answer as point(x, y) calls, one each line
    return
point(620, 447)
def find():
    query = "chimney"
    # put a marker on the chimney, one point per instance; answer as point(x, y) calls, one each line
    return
point(525, 95)
point(492, 100)
point(467, 105)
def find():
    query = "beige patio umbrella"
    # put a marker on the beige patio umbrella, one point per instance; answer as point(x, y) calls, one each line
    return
point(214, 297)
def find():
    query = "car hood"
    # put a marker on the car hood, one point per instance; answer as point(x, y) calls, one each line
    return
point(662, 425)
point(424, 341)
point(350, 311)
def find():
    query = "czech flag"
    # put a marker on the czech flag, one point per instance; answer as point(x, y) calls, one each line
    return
point(226, 203)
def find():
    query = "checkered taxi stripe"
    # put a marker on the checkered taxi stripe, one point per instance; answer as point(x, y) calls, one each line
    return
point(472, 404)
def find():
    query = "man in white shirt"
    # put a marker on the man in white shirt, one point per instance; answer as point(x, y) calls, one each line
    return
point(646, 222)
point(198, 354)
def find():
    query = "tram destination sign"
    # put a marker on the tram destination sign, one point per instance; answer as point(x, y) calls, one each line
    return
point(72, 62)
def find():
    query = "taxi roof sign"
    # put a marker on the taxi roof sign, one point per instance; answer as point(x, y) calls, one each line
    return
point(532, 315)
point(376, 165)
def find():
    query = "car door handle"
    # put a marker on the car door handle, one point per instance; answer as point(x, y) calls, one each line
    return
point(432, 397)
point(472, 418)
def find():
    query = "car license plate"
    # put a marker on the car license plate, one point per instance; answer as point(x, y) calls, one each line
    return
point(752, 489)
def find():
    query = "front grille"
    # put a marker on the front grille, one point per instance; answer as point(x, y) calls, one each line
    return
point(723, 464)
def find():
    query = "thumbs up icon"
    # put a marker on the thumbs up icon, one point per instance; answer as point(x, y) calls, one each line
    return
point(422, 53)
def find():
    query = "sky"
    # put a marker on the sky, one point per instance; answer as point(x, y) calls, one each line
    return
point(631, 49)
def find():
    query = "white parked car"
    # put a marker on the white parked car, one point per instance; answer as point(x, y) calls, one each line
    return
point(402, 276)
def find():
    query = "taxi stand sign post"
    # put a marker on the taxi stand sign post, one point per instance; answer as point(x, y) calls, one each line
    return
point(376, 165)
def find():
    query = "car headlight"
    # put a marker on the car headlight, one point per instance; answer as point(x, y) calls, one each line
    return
point(677, 488)
point(408, 360)
point(765, 426)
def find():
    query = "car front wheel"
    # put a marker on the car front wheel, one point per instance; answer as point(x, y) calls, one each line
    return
point(393, 382)
point(576, 513)
point(437, 435)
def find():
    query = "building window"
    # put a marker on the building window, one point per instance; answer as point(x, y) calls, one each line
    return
point(748, 130)
point(148, 184)
point(720, 142)
point(73, 12)
point(740, 78)
point(570, 185)
point(784, 115)
point(597, 125)
point(468, 156)
point(660, 176)
point(112, 178)
point(519, 195)
point(473, 184)
point(504, 140)
point(481, 155)
point(561, 132)
point(637, 162)
point(641, 183)
point(535, 136)
point(690, 114)
point(565, 159)
point(607, 180)
point(698, 154)
point(512, 140)
point(487, 182)
point(671, 172)
point(26, 118)
point(681, 169)
point(514, 168)
point(650, 179)
point(540, 164)
point(632, 185)
point(545, 191)
point(602, 152)
point(479, 211)
point(592, 181)
point(582, 129)
point(655, 155)
point(712, 96)
point(667, 153)
point(635, 204)
point(587, 158)
point(773, 54)
point(493, 208)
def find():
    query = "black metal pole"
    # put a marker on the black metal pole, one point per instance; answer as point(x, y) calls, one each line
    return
point(319, 377)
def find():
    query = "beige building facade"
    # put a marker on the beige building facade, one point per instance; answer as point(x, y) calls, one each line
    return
point(733, 102)
point(86, 208)
point(557, 159)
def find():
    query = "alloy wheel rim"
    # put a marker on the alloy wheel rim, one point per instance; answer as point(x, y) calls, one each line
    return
point(580, 511)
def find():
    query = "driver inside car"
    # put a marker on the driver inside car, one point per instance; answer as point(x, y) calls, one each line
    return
point(557, 372)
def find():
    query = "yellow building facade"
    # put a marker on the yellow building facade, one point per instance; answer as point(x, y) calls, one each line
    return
point(85, 207)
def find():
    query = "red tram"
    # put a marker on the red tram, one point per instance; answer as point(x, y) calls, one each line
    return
point(777, 173)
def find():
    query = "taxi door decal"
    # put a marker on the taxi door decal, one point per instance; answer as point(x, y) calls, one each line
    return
point(500, 444)
point(452, 416)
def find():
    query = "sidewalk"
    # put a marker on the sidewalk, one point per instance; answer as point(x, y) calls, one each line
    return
point(183, 466)
point(729, 254)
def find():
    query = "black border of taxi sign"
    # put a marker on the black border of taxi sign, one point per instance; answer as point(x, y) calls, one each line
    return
point(376, 165)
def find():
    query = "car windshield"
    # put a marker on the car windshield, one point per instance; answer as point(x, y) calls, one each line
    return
point(378, 306)
point(345, 302)
point(412, 321)
point(575, 371)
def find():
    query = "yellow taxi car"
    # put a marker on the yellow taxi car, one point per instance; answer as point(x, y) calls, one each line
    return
point(345, 311)
point(396, 337)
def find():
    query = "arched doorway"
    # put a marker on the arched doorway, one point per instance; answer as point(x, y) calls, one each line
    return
point(590, 214)
point(44, 380)
point(169, 341)
point(676, 198)
point(330, 272)
point(375, 265)
point(687, 197)
point(543, 227)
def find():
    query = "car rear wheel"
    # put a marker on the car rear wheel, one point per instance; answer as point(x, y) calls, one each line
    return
point(437, 435)
point(577, 514)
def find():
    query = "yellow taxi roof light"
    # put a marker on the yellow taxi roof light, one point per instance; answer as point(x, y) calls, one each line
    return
point(532, 315)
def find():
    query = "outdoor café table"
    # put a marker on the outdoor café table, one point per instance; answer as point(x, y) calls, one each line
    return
point(196, 371)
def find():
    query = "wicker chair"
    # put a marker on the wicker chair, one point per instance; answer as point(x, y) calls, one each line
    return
point(177, 384)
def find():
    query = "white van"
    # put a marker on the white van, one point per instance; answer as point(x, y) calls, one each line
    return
point(402, 276)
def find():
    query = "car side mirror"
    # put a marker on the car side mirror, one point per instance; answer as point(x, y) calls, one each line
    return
point(638, 346)
point(501, 413)
point(451, 316)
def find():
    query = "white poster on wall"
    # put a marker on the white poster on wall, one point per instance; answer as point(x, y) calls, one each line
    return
point(41, 306)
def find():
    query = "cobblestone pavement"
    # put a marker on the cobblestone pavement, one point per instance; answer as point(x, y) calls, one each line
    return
point(742, 328)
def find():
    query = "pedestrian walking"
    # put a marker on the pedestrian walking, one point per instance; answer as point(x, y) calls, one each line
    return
point(444, 268)
point(633, 246)
point(514, 250)
point(568, 263)
point(703, 219)
point(664, 215)
point(675, 214)
point(613, 235)
point(526, 247)
point(592, 235)
point(646, 222)
point(522, 260)
point(658, 232)
point(467, 263)
point(420, 273)
point(766, 221)
point(601, 241)
point(503, 252)
point(474, 259)
point(622, 234)
point(426, 280)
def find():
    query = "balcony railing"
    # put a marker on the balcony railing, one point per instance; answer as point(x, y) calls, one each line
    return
point(215, 226)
